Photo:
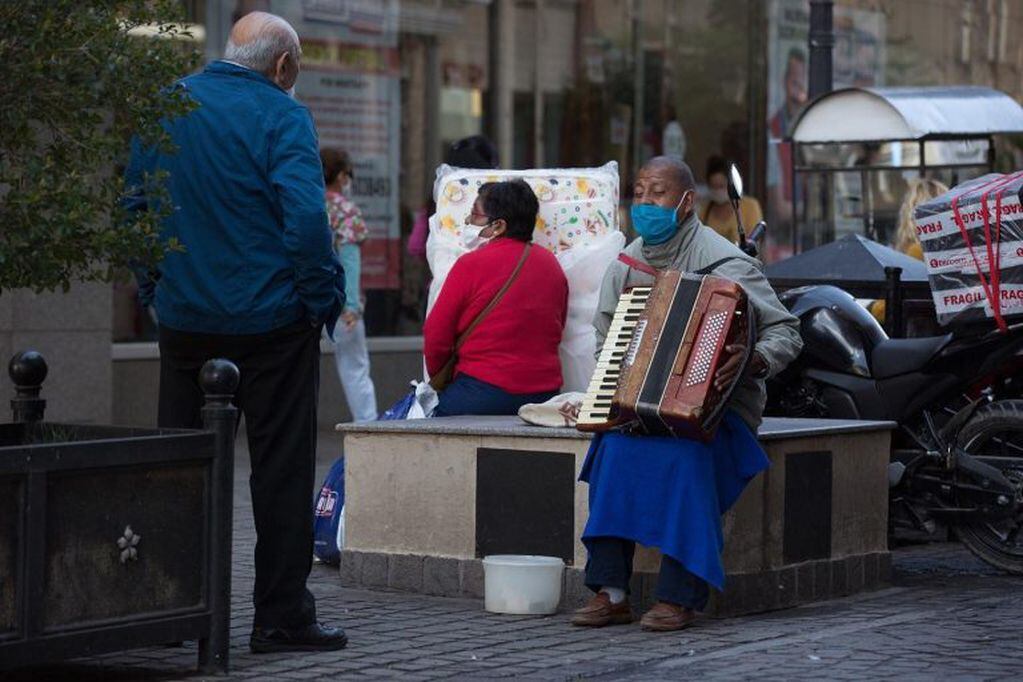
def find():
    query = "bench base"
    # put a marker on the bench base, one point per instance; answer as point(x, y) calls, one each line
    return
point(745, 593)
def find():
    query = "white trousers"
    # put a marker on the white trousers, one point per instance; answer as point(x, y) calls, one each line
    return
point(352, 359)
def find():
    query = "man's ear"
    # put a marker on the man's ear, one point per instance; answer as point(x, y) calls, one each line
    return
point(281, 69)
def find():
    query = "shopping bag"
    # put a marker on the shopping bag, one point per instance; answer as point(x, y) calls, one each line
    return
point(418, 403)
point(328, 515)
point(400, 409)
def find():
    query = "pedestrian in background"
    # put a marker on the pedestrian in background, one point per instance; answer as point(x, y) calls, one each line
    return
point(256, 282)
point(920, 191)
point(717, 213)
point(350, 353)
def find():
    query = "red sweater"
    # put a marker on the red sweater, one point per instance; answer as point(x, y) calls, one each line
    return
point(515, 347)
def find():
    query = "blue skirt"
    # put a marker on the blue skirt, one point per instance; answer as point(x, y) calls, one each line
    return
point(670, 493)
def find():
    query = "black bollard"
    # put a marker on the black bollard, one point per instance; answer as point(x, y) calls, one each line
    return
point(27, 370)
point(219, 381)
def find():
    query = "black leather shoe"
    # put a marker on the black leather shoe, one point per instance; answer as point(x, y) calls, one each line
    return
point(314, 637)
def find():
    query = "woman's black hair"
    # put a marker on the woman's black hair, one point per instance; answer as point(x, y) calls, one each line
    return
point(515, 203)
point(335, 161)
point(716, 164)
point(472, 152)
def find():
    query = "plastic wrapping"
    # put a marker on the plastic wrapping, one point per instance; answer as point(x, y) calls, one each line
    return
point(972, 238)
point(577, 222)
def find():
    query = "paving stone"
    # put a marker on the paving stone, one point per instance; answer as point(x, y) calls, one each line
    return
point(405, 572)
point(804, 582)
point(441, 576)
point(821, 580)
point(871, 578)
point(472, 579)
point(374, 570)
point(854, 574)
point(350, 570)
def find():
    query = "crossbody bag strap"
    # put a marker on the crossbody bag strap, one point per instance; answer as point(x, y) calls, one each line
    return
point(495, 300)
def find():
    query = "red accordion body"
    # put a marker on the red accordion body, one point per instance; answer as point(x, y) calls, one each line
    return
point(656, 369)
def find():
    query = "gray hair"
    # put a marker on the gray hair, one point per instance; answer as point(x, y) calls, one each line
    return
point(261, 53)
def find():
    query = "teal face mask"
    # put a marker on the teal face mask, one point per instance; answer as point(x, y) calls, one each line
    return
point(655, 224)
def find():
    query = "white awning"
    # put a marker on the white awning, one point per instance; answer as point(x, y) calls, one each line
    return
point(874, 114)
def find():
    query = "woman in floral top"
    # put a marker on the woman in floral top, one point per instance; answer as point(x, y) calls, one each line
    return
point(350, 353)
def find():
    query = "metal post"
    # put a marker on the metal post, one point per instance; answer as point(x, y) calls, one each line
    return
point(639, 86)
point(502, 78)
point(432, 143)
point(822, 41)
point(219, 381)
point(893, 302)
point(538, 113)
point(27, 370)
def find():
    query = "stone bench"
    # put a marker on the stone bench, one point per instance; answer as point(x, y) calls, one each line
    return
point(427, 499)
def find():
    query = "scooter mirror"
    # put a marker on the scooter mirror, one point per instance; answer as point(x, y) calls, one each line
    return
point(734, 183)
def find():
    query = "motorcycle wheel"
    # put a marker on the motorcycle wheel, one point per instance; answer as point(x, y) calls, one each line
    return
point(995, 436)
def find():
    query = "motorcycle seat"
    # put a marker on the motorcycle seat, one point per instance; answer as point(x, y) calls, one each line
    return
point(892, 357)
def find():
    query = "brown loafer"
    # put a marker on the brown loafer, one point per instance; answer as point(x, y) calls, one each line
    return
point(599, 612)
point(665, 617)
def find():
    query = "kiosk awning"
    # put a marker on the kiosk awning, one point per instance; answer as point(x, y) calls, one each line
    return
point(875, 114)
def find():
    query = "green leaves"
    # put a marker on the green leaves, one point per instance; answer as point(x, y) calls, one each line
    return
point(74, 87)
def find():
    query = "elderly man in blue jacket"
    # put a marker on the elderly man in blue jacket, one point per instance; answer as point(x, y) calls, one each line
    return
point(255, 283)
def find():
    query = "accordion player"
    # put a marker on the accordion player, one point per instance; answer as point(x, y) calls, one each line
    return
point(655, 372)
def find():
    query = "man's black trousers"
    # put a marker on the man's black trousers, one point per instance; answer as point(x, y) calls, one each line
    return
point(277, 395)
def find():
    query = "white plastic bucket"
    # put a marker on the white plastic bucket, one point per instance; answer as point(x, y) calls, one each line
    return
point(522, 583)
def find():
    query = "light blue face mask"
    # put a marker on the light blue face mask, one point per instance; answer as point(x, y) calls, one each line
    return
point(655, 224)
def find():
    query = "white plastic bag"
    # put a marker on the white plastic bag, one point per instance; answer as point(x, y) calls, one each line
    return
point(425, 402)
point(584, 267)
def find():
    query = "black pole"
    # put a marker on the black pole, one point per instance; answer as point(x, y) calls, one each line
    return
point(27, 370)
point(219, 381)
point(893, 302)
point(822, 40)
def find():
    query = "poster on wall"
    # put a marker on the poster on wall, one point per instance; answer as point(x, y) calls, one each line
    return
point(351, 82)
point(859, 59)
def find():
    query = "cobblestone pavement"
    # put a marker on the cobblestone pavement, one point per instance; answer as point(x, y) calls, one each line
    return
point(946, 616)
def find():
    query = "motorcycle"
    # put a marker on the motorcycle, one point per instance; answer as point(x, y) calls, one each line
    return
point(957, 452)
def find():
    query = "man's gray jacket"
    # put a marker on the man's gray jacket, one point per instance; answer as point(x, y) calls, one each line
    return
point(696, 246)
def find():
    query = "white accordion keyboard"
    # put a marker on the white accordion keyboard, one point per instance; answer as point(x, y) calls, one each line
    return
point(620, 346)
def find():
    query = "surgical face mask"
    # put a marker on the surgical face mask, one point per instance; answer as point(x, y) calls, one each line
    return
point(291, 92)
point(719, 196)
point(471, 238)
point(655, 224)
point(347, 187)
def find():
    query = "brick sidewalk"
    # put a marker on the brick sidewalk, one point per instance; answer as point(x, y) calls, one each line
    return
point(947, 616)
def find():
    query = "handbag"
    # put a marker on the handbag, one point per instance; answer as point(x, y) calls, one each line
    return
point(443, 377)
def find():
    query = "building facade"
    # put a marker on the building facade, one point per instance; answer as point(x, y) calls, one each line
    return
point(560, 83)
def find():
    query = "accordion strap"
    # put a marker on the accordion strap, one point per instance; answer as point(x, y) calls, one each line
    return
point(715, 265)
point(649, 270)
point(637, 264)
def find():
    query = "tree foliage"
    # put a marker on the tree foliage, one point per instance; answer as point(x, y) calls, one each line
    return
point(75, 84)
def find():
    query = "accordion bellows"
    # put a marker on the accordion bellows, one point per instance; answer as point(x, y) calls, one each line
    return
point(655, 372)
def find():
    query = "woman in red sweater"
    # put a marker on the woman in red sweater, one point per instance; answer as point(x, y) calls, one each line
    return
point(511, 357)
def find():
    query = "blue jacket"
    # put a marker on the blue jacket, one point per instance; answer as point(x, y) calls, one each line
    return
point(248, 193)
